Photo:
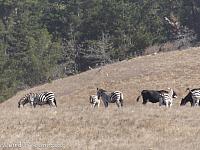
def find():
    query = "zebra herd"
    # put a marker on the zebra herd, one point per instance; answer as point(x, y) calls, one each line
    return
point(162, 96)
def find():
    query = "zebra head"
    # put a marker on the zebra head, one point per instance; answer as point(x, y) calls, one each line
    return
point(187, 98)
point(23, 101)
point(28, 98)
point(173, 93)
point(20, 104)
point(100, 92)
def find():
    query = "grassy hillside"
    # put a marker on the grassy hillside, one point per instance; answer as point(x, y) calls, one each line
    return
point(76, 126)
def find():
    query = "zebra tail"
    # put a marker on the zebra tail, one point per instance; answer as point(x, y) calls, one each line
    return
point(138, 98)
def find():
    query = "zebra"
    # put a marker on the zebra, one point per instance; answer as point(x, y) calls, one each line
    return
point(38, 99)
point(113, 97)
point(195, 93)
point(152, 96)
point(45, 98)
point(167, 98)
point(28, 98)
point(94, 101)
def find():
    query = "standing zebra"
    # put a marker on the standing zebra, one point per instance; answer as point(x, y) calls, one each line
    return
point(94, 101)
point(195, 93)
point(28, 98)
point(113, 97)
point(167, 98)
point(45, 98)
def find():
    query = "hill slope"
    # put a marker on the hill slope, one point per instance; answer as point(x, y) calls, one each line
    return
point(76, 126)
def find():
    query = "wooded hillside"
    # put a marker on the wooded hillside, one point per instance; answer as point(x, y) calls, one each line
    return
point(48, 39)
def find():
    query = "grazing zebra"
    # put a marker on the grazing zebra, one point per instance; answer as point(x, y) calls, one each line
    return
point(186, 99)
point(94, 101)
point(167, 98)
point(113, 97)
point(195, 93)
point(38, 99)
point(28, 98)
point(45, 98)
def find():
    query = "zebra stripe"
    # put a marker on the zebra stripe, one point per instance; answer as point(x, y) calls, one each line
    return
point(113, 97)
point(45, 98)
point(167, 98)
point(38, 99)
point(195, 95)
point(94, 101)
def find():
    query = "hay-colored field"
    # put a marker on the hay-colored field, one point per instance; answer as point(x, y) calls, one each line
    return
point(74, 125)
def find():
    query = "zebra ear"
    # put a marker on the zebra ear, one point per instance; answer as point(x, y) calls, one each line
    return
point(97, 89)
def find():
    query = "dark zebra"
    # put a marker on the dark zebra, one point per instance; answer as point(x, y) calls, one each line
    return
point(45, 98)
point(27, 99)
point(167, 98)
point(152, 96)
point(195, 94)
point(186, 99)
point(94, 101)
point(113, 97)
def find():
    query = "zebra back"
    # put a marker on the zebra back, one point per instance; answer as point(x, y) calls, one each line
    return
point(196, 93)
point(46, 98)
point(116, 95)
point(113, 97)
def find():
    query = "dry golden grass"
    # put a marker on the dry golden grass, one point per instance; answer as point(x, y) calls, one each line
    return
point(74, 125)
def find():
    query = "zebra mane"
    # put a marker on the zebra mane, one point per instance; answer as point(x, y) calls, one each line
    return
point(101, 90)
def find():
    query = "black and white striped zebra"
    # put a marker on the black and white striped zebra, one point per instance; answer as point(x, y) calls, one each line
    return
point(38, 99)
point(195, 96)
point(94, 101)
point(113, 97)
point(167, 98)
point(45, 98)
point(27, 99)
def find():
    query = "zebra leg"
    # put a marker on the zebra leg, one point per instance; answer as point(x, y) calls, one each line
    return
point(144, 101)
point(34, 104)
point(98, 104)
point(193, 102)
point(52, 103)
point(197, 102)
point(105, 104)
point(92, 105)
point(170, 104)
point(118, 103)
point(167, 104)
point(160, 101)
point(122, 103)
point(121, 99)
point(95, 104)
point(55, 104)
